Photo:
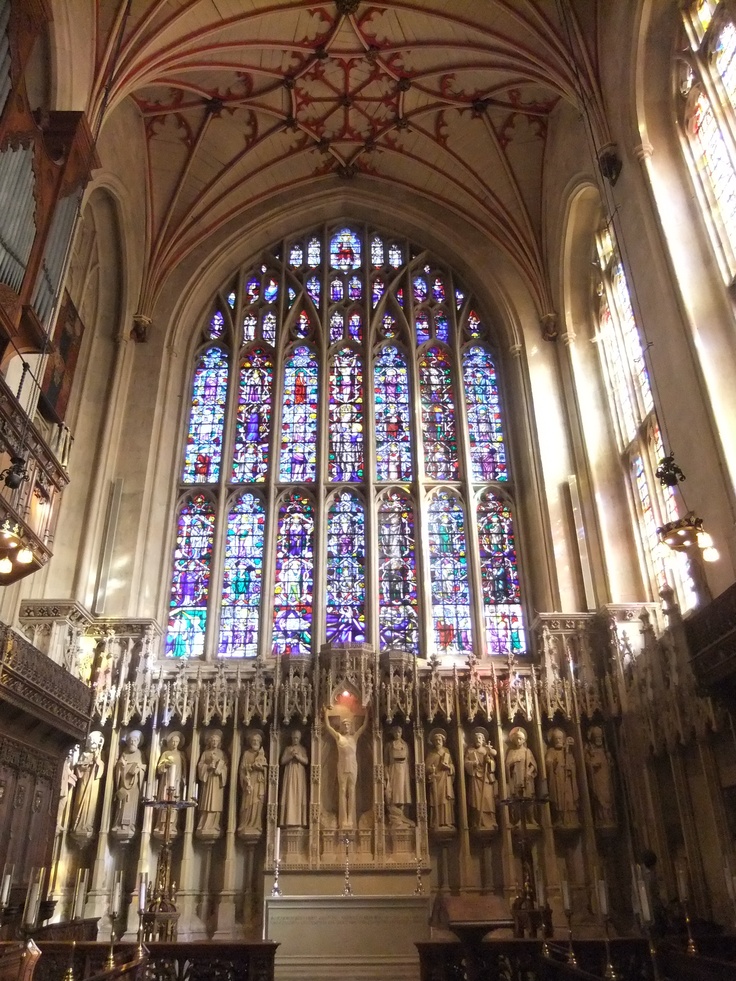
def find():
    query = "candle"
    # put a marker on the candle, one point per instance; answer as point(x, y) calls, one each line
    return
point(682, 883)
point(172, 771)
point(5, 890)
point(277, 845)
point(643, 894)
point(142, 889)
point(78, 912)
point(603, 897)
point(566, 896)
point(117, 892)
point(539, 883)
point(196, 791)
point(34, 898)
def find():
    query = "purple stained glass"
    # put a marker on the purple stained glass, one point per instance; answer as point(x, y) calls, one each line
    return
point(345, 461)
point(336, 290)
point(400, 297)
point(314, 288)
point(271, 290)
point(459, 298)
point(448, 563)
point(217, 325)
point(441, 326)
point(242, 578)
point(292, 593)
point(377, 252)
point(438, 289)
point(420, 289)
point(345, 250)
point(314, 252)
point(395, 255)
point(303, 324)
point(299, 433)
point(392, 416)
point(398, 611)
point(249, 327)
point(474, 324)
point(438, 415)
point(377, 292)
point(337, 326)
point(500, 577)
point(268, 328)
point(190, 581)
point(421, 322)
point(296, 255)
point(253, 421)
point(253, 289)
point(345, 605)
point(355, 288)
point(485, 426)
point(355, 326)
point(389, 325)
point(206, 419)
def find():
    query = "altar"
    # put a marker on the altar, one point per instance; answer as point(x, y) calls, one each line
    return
point(353, 938)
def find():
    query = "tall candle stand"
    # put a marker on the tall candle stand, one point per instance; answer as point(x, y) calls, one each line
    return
point(419, 889)
point(609, 972)
point(529, 909)
point(161, 914)
point(571, 958)
point(347, 889)
point(276, 888)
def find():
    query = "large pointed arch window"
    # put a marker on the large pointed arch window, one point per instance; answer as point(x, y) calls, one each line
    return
point(346, 440)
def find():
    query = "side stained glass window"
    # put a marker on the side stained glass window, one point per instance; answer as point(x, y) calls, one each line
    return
point(206, 419)
point(242, 578)
point(253, 420)
point(191, 580)
point(392, 416)
point(500, 577)
point(346, 418)
point(398, 616)
point(345, 606)
point(487, 451)
point(448, 558)
point(299, 427)
point(346, 375)
point(292, 617)
point(438, 415)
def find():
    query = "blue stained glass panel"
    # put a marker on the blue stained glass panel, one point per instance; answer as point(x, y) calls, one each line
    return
point(345, 250)
point(438, 289)
point(345, 606)
point(400, 297)
point(485, 426)
point(271, 290)
point(395, 256)
point(314, 252)
point(377, 292)
point(303, 324)
point(421, 322)
point(242, 578)
point(231, 300)
point(249, 327)
point(337, 326)
point(190, 581)
point(500, 577)
point(314, 288)
point(336, 290)
point(299, 432)
point(420, 289)
point(292, 599)
point(441, 326)
point(268, 329)
point(451, 619)
point(207, 418)
point(355, 288)
point(389, 325)
point(459, 298)
point(398, 616)
point(345, 461)
point(392, 416)
point(377, 252)
point(253, 421)
point(355, 327)
point(438, 415)
point(474, 324)
point(253, 289)
point(217, 325)
point(291, 293)
point(296, 255)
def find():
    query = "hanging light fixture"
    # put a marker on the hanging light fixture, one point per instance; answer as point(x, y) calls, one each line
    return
point(24, 555)
point(6, 566)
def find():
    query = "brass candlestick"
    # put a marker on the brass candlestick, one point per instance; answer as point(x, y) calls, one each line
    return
point(691, 947)
point(571, 958)
point(610, 971)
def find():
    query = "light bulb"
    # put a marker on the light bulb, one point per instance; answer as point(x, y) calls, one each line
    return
point(704, 540)
point(25, 556)
point(6, 566)
point(710, 554)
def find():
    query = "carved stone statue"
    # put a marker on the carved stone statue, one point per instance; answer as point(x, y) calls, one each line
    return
point(480, 767)
point(347, 768)
point(171, 777)
point(89, 770)
point(212, 770)
point(396, 762)
point(440, 772)
point(68, 782)
point(293, 812)
point(130, 775)
point(521, 767)
point(599, 764)
point(562, 779)
point(252, 776)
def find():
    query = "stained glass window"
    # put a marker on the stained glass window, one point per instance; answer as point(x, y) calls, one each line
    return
point(253, 420)
point(500, 577)
point(292, 618)
point(487, 453)
point(207, 418)
point(392, 416)
point(438, 415)
point(398, 617)
point(346, 417)
point(345, 605)
point(191, 579)
point(242, 578)
point(364, 344)
point(299, 432)
point(451, 617)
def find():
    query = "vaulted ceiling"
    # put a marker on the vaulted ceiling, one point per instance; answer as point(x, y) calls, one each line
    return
point(242, 99)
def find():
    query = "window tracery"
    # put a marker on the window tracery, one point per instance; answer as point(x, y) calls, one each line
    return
point(345, 411)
